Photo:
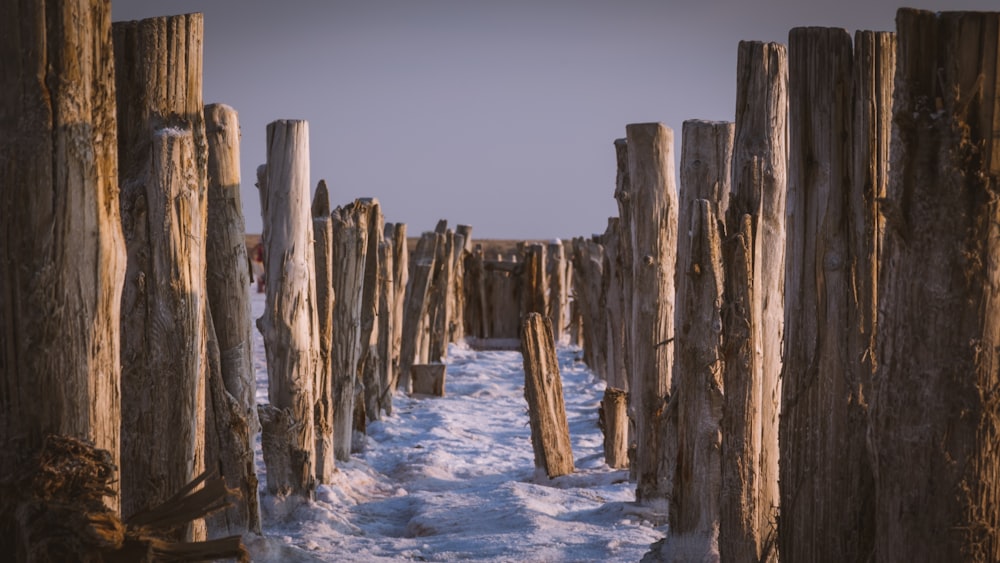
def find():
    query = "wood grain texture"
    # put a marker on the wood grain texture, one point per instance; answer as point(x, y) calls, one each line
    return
point(544, 394)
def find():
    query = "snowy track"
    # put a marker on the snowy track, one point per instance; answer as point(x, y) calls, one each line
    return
point(453, 479)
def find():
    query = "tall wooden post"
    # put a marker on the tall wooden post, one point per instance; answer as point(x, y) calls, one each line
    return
point(416, 305)
point(325, 299)
point(535, 296)
point(555, 273)
point(232, 407)
point(613, 282)
point(706, 157)
point(370, 361)
point(290, 325)
point(825, 473)
point(350, 248)
point(588, 261)
point(162, 174)
point(934, 411)
point(753, 314)
point(439, 302)
point(653, 206)
point(400, 275)
point(385, 378)
point(62, 257)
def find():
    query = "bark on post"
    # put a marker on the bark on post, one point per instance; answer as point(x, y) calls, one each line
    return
point(350, 248)
point(162, 174)
point(290, 325)
point(229, 445)
point(325, 299)
point(62, 257)
point(416, 305)
point(753, 315)
point(653, 206)
point(935, 408)
point(825, 473)
point(544, 394)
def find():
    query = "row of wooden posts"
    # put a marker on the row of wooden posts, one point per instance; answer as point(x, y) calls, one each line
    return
point(810, 327)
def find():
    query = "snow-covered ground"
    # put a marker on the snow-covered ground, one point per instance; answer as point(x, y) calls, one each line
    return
point(453, 479)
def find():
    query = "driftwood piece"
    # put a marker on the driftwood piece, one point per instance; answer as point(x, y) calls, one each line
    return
point(290, 325)
point(544, 394)
point(325, 299)
point(350, 248)
point(231, 417)
point(934, 411)
point(428, 379)
point(162, 174)
point(62, 246)
point(653, 202)
point(753, 317)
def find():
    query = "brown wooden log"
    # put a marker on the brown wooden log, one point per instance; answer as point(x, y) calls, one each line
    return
point(653, 202)
point(231, 420)
point(62, 250)
point(325, 300)
point(370, 361)
point(588, 261)
point(463, 247)
point(934, 412)
point(290, 325)
point(350, 249)
point(385, 377)
point(544, 394)
point(475, 294)
point(825, 473)
point(613, 281)
point(753, 317)
point(416, 305)
point(535, 291)
point(698, 373)
point(555, 274)
point(614, 420)
point(439, 300)
point(400, 269)
point(623, 254)
point(429, 379)
point(162, 174)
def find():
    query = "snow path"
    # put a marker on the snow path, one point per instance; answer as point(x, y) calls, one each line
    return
point(452, 479)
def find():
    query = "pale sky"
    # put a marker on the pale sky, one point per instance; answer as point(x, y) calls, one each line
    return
point(500, 114)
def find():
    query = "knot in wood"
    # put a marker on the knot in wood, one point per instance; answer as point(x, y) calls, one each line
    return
point(648, 260)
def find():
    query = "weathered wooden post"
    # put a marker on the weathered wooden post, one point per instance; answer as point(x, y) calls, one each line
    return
point(623, 252)
point(544, 394)
point(400, 275)
point(231, 417)
point(463, 234)
point(613, 281)
point(826, 475)
point(350, 249)
point(416, 305)
point(62, 257)
point(439, 300)
point(706, 158)
point(752, 318)
point(535, 295)
point(290, 325)
point(385, 377)
point(588, 261)
point(370, 361)
point(475, 294)
point(325, 299)
point(162, 174)
point(653, 206)
point(555, 273)
point(935, 412)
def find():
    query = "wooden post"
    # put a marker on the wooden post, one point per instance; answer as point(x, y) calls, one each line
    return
point(753, 315)
point(290, 324)
point(400, 275)
point(588, 261)
point(162, 174)
point(370, 362)
point(463, 233)
point(416, 305)
point(555, 273)
point(385, 377)
point(439, 300)
point(350, 248)
point(935, 408)
point(623, 195)
point(428, 379)
point(614, 417)
point(613, 281)
point(533, 280)
point(231, 419)
point(653, 202)
point(825, 472)
point(62, 253)
point(544, 394)
point(475, 294)
point(325, 300)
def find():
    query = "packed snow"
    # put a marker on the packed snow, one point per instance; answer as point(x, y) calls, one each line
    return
point(453, 479)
